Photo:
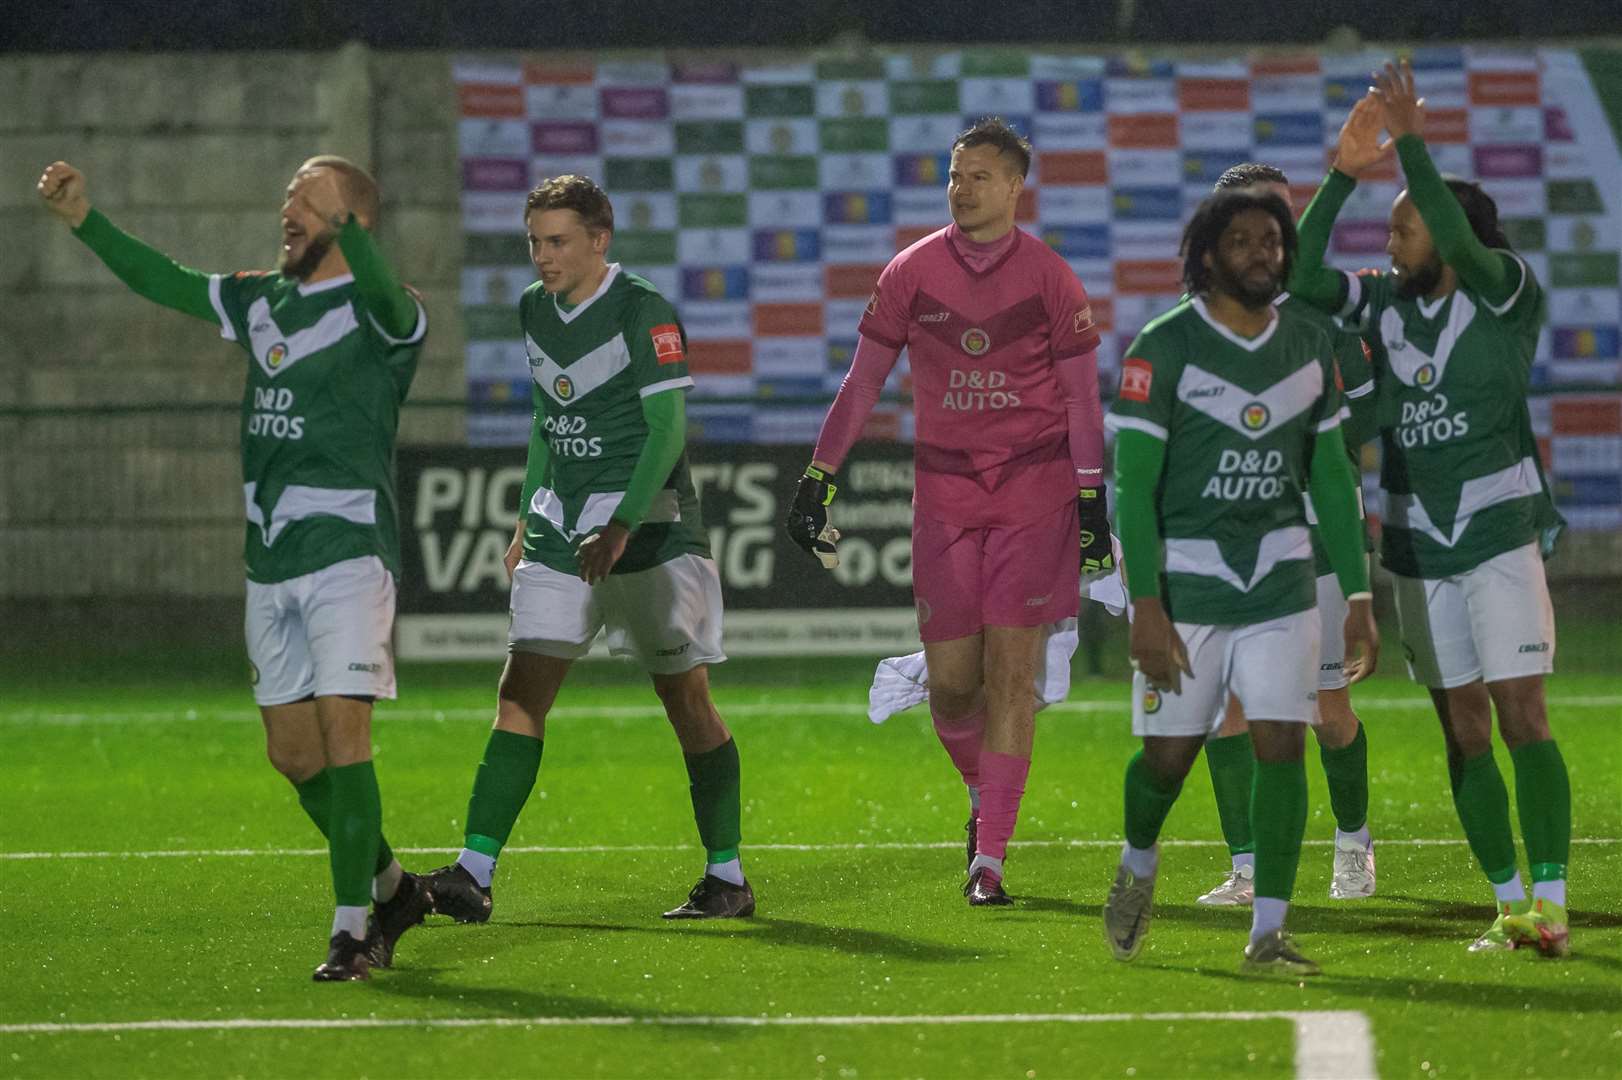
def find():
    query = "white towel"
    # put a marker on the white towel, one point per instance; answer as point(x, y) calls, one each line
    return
point(903, 681)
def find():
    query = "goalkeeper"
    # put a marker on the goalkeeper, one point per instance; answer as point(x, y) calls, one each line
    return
point(1009, 449)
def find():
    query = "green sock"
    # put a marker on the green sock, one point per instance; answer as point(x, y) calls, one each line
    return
point(1543, 794)
point(1232, 761)
point(1347, 770)
point(1148, 802)
point(714, 790)
point(357, 825)
point(315, 795)
point(1483, 805)
point(1278, 813)
point(501, 786)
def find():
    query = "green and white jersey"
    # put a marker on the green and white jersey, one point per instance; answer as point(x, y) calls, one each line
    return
point(319, 416)
point(1239, 418)
point(592, 364)
point(1460, 467)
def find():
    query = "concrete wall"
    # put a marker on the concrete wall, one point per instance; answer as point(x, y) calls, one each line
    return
point(190, 152)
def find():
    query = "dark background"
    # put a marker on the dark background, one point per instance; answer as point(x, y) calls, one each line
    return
point(172, 25)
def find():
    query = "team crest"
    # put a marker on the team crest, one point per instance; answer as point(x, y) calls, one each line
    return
point(1151, 700)
point(1425, 375)
point(975, 341)
point(1255, 416)
point(563, 387)
point(277, 353)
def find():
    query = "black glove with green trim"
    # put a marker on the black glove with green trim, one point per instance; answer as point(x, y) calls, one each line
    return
point(1097, 553)
point(807, 519)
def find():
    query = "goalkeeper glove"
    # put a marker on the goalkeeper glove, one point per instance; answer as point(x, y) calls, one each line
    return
point(1097, 554)
point(807, 519)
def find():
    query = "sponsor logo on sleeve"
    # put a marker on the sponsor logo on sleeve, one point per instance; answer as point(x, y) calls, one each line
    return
point(667, 343)
point(1136, 376)
point(873, 304)
point(1084, 320)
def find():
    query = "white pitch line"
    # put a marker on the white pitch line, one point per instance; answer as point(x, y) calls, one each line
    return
point(385, 714)
point(1329, 1044)
point(617, 849)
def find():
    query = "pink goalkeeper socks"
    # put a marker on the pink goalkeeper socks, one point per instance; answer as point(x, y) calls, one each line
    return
point(962, 740)
point(1002, 785)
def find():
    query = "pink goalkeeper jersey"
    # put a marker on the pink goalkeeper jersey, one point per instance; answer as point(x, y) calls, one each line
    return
point(992, 444)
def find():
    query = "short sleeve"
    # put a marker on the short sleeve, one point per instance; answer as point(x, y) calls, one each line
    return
point(1072, 331)
point(658, 347)
point(1353, 364)
point(885, 320)
point(231, 295)
point(1148, 391)
point(1522, 313)
point(1326, 412)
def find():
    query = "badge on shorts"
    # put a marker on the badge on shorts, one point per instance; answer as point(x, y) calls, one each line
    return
point(1151, 700)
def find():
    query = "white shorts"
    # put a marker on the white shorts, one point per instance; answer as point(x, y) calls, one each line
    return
point(1271, 667)
point(323, 633)
point(1493, 622)
point(1332, 608)
point(668, 617)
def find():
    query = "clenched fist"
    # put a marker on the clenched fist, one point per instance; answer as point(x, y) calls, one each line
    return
point(63, 189)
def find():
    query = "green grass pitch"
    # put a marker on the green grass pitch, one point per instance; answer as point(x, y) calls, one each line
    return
point(863, 961)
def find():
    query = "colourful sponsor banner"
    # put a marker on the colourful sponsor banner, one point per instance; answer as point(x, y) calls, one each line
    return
point(765, 198)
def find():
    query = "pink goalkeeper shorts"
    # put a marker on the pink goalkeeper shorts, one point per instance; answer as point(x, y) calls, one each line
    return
point(965, 579)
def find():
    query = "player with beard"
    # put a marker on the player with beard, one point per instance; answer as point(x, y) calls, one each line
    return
point(1228, 413)
point(1342, 743)
point(1468, 513)
point(1009, 509)
point(332, 340)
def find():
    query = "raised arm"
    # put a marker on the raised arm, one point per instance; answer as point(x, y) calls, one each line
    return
point(147, 271)
point(1357, 150)
point(390, 302)
point(1477, 265)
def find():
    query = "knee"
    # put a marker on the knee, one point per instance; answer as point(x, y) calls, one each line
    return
point(297, 763)
point(685, 700)
point(955, 698)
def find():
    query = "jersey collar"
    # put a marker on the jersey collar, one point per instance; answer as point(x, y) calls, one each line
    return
point(952, 232)
point(326, 286)
point(1247, 344)
point(573, 313)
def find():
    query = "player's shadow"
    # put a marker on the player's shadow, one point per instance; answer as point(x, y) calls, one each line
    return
point(423, 984)
point(1506, 995)
point(1083, 909)
point(766, 930)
